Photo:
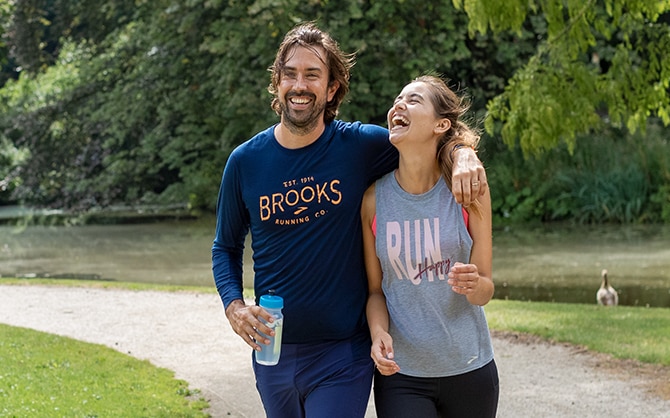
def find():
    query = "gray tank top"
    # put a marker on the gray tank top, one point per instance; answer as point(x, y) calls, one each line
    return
point(436, 332)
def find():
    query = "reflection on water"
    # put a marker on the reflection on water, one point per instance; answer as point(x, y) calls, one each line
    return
point(175, 252)
point(554, 263)
point(628, 295)
point(563, 264)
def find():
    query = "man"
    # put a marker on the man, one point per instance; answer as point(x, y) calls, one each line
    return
point(297, 187)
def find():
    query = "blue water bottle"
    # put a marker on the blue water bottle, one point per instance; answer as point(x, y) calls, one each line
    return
point(269, 354)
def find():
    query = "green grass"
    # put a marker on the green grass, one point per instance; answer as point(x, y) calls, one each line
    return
point(44, 375)
point(625, 332)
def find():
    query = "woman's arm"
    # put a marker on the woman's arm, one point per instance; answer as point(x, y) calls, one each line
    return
point(377, 314)
point(474, 280)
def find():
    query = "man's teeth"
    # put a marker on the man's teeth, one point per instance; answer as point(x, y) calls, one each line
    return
point(299, 101)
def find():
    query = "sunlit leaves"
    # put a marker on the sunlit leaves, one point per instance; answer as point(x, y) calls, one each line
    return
point(497, 15)
point(575, 78)
point(151, 98)
point(543, 105)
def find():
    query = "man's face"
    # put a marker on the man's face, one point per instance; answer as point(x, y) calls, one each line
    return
point(303, 89)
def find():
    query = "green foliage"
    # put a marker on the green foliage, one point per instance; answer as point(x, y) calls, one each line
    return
point(599, 57)
point(614, 195)
point(10, 158)
point(614, 177)
point(34, 28)
point(142, 102)
point(514, 194)
point(662, 199)
point(540, 102)
point(27, 30)
point(48, 375)
point(130, 122)
point(163, 95)
point(5, 14)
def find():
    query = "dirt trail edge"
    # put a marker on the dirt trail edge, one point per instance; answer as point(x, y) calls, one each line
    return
point(188, 333)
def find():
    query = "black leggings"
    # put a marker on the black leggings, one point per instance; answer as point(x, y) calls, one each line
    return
point(470, 395)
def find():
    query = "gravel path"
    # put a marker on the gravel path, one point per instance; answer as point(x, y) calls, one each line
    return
point(189, 334)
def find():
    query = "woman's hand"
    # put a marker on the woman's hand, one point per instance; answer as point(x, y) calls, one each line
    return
point(463, 278)
point(466, 279)
point(382, 354)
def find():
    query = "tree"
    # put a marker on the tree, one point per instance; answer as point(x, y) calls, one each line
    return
point(144, 104)
point(601, 61)
point(6, 71)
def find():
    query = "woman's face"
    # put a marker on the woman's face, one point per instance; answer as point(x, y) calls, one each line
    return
point(413, 115)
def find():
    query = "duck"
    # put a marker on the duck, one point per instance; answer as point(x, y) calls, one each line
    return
point(606, 295)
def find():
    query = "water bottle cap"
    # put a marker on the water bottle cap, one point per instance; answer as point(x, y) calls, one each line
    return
point(272, 301)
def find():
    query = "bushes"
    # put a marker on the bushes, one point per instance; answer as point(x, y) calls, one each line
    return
point(143, 103)
point(611, 177)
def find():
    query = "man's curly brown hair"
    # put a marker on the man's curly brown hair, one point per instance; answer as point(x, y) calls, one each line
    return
point(338, 63)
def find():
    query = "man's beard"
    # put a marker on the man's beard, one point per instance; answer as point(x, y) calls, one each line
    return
point(304, 122)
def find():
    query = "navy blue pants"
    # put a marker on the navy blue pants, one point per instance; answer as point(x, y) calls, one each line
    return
point(469, 395)
point(329, 379)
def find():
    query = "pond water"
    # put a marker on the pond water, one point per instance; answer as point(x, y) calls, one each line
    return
point(564, 264)
point(551, 263)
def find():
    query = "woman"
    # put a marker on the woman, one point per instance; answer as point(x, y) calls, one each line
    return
point(428, 262)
